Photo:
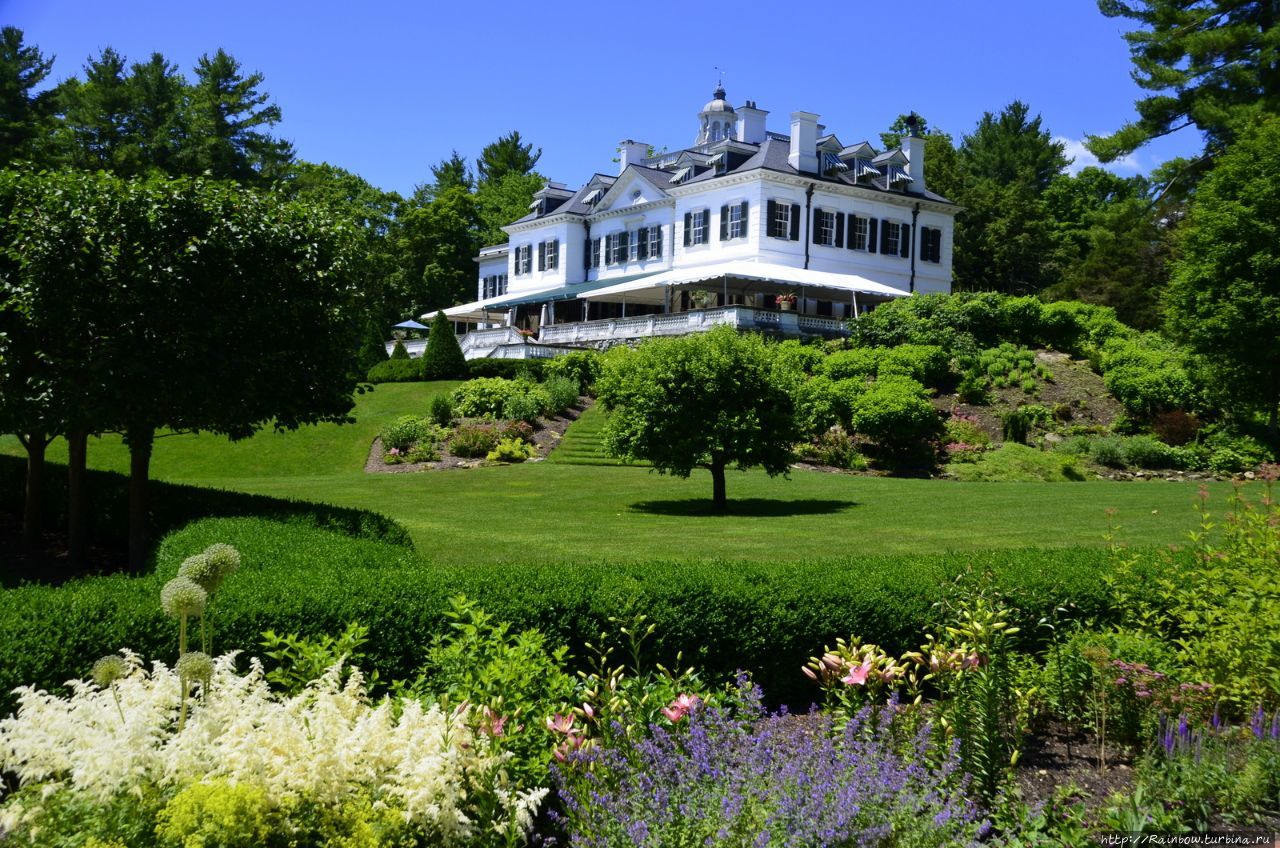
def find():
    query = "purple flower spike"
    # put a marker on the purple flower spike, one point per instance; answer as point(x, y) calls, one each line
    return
point(1259, 720)
point(1275, 725)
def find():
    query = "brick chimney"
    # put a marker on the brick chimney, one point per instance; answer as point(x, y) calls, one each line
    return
point(804, 142)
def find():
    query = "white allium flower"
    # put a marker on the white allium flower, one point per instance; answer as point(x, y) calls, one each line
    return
point(201, 571)
point(195, 666)
point(108, 670)
point(224, 558)
point(183, 596)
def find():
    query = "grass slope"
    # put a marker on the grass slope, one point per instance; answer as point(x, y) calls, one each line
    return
point(558, 512)
point(583, 442)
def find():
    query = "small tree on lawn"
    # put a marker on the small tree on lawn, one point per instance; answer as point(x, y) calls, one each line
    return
point(399, 351)
point(443, 359)
point(704, 401)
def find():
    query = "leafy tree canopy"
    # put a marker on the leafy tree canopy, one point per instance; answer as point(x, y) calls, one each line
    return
point(229, 116)
point(1209, 64)
point(23, 112)
point(708, 400)
point(1223, 299)
point(1012, 146)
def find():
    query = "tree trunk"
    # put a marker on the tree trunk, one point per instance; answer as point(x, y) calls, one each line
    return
point(77, 537)
point(718, 498)
point(33, 507)
point(140, 441)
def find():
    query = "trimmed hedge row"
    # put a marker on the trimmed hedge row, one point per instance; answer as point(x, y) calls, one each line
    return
point(767, 618)
point(174, 505)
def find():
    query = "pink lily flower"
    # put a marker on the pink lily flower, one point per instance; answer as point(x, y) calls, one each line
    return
point(857, 676)
point(561, 724)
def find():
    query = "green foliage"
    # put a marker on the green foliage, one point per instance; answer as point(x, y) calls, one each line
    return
point(483, 397)
point(520, 675)
point(526, 401)
point(406, 431)
point(508, 155)
point(511, 450)
point(433, 245)
point(1223, 300)
point(820, 405)
point(761, 616)
point(1146, 374)
point(962, 429)
point(562, 393)
point(22, 70)
point(440, 409)
point(443, 359)
point(928, 365)
point(473, 440)
point(396, 371)
point(707, 400)
point(1220, 606)
point(512, 369)
point(894, 414)
point(218, 814)
point(1229, 453)
point(300, 661)
point(837, 449)
point(858, 363)
point(398, 351)
point(1013, 462)
point(799, 356)
point(1015, 426)
point(581, 366)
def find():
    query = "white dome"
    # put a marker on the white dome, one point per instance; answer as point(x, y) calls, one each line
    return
point(718, 103)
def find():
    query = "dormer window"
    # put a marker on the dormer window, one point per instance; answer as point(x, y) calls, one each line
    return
point(898, 176)
point(862, 168)
point(682, 174)
point(593, 197)
point(832, 164)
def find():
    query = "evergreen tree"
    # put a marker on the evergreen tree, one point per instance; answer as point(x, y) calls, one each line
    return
point(228, 116)
point(507, 155)
point(23, 112)
point(1213, 65)
point(501, 201)
point(443, 359)
point(97, 115)
point(157, 128)
point(1012, 147)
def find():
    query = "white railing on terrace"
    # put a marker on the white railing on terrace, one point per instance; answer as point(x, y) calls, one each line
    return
point(415, 347)
point(699, 320)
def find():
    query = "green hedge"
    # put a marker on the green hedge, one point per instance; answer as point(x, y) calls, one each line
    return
point(173, 505)
point(512, 369)
point(767, 618)
point(396, 371)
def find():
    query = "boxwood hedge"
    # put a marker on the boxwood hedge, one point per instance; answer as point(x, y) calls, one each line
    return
point(767, 618)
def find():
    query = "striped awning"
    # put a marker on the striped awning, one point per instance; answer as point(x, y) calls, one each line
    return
point(717, 158)
point(593, 196)
point(863, 168)
point(898, 174)
point(832, 162)
point(681, 174)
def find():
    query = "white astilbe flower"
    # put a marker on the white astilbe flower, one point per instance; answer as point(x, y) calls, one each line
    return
point(323, 745)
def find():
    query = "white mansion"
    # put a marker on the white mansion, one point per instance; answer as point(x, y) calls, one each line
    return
point(788, 234)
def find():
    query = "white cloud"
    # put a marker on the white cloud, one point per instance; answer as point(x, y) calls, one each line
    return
point(1082, 158)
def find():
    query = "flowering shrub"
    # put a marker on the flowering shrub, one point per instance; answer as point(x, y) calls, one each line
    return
point(742, 778)
point(473, 440)
point(511, 450)
point(245, 752)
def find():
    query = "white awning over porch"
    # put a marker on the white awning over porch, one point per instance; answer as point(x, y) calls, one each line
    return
point(487, 309)
point(760, 277)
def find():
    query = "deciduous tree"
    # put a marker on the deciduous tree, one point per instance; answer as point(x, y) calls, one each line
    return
point(709, 400)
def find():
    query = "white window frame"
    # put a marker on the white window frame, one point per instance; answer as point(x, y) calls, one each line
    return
point(827, 227)
point(859, 231)
point(698, 223)
point(553, 254)
point(892, 237)
point(633, 246)
point(652, 234)
point(524, 259)
point(781, 223)
point(736, 229)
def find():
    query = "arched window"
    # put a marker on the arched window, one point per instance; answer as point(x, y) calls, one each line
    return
point(715, 130)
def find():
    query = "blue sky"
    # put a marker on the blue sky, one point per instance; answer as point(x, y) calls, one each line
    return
point(388, 89)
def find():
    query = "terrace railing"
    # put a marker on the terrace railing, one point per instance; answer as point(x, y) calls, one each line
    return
point(698, 320)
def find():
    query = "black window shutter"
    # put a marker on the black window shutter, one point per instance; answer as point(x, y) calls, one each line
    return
point(657, 250)
point(724, 223)
point(542, 256)
point(905, 241)
point(937, 245)
point(795, 222)
point(622, 245)
point(872, 226)
point(884, 236)
point(839, 229)
point(706, 226)
point(688, 228)
point(586, 254)
point(853, 229)
point(771, 217)
point(642, 245)
point(744, 219)
point(815, 226)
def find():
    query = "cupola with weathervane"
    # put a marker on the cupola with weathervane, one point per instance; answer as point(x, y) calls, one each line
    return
point(717, 120)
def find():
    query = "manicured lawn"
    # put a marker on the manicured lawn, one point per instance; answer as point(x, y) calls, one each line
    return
point(567, 513)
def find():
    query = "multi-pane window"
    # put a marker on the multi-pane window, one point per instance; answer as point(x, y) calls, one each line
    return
point(595, 253)
point(653, 237)
point(857, 232)
point(825, 227)
point(524, 259)
point(737, 226)
point(553, 255)
point(890, 239)
point(780, 221)
point(633, 246)
point(930, 244)
point(616, 248)
point(493, 286)
point(698, 233)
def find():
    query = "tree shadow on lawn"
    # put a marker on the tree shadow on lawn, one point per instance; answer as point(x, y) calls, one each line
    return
point(743, 507)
